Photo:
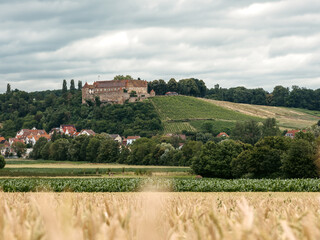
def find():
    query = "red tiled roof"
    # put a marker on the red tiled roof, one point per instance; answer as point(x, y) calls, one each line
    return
point(133, 137)
point(15, 140)
point(89, 131)
point(222, 134)
point(292, 133)
point(120, 83)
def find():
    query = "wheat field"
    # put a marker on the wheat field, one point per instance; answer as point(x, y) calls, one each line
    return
point(151, 215)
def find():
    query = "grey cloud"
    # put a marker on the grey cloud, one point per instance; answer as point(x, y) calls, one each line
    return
point(243, 42)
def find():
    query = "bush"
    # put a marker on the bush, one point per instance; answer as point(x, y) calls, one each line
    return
point(2, 162)
point(299, 162)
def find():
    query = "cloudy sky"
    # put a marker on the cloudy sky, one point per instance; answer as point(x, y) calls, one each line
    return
point(231, 42)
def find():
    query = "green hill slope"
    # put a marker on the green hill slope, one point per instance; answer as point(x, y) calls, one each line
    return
point(179, 113)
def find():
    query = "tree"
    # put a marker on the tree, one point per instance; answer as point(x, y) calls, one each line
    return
point(123, 156)
point(247, 132)
point(79, 85)
point(19, 148)
point(108, 151)
point(37, 148)
point(2, 162)
point(121, 77)
point(45, 152)
point(172, 85)
point(270, 128)
point(8, 88)
point(93, 149)
point(141, 151)
point(258, 162)
point(59, 150)
point(207, 127)
point(214, 159)
point(72, 86)
point(190, 150)
point(299, 162)
point(280, 96)
point(8, 129)
point(263, 160)
point(64, 87)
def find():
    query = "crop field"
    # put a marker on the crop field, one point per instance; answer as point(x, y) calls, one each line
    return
point(81, 172)
point(172, 184)
point(286, 117)
point(172, 127)
point(23, 163)
point(183, 107)
point(179, 113)
point(151, 215)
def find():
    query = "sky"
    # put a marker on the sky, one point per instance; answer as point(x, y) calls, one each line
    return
point(227, 42)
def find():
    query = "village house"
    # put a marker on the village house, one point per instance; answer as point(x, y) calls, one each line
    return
point(180, 136)
point(54, 130)
point(5, 148)
point(69, 130)
point(116, 91)
point(292, 133)
point(130, 139)
point(223, 134)
point(31, 136)
point(87, 132)
point(116, 137)
point(171, 94)
point(15, 140)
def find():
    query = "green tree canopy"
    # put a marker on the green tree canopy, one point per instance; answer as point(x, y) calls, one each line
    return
point(299, 162)
point(121, 77)
point(2, 162)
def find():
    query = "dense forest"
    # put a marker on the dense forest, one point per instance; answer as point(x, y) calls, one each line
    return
point(49, 109)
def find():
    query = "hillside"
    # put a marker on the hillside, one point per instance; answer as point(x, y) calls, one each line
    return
point(179, 113)
point(50, 109)
point(287, 118)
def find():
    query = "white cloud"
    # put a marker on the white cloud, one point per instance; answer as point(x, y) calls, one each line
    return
point(249, 43)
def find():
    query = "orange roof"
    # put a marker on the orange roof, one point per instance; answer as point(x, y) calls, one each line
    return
point(2, 139)
point(133, 137)
point(222, 134)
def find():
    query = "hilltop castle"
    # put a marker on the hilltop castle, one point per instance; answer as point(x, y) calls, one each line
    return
point(116, 91)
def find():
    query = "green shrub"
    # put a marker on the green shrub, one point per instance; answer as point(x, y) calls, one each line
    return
point(2, 162)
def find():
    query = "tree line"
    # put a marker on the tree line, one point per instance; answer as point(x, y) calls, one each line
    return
point(271, 155)
point(102, 149)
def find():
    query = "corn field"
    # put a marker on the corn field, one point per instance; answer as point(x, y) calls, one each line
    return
point(151, 215)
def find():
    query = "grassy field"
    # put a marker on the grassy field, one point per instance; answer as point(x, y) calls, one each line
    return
point(159, 216)
point(288, 118)
point(188, 113)
point(41, 168)
point(188, 108)
point(180, 113)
